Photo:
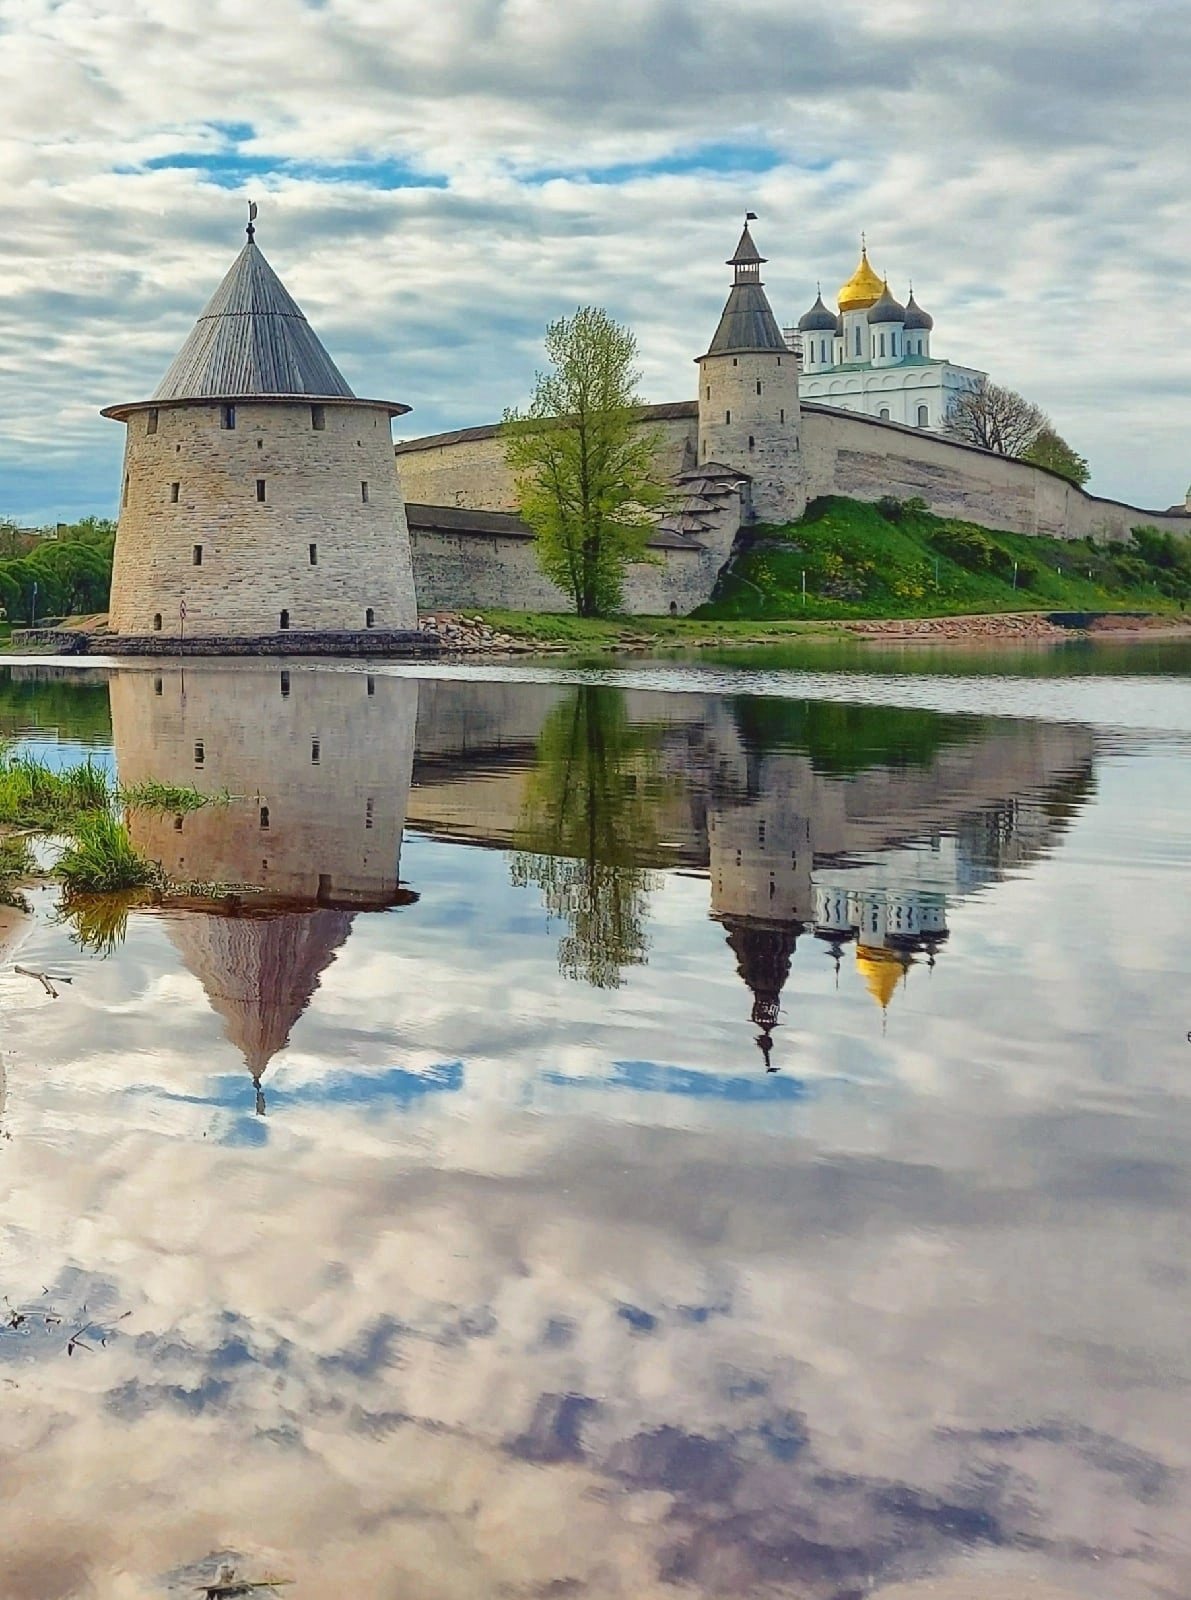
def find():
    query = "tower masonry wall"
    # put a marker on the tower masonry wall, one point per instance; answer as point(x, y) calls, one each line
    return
point(193, 483)
point(749, 419)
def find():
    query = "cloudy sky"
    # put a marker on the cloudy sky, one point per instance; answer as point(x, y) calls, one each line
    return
point(437, 181)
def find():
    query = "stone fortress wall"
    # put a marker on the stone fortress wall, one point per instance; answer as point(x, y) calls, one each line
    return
point(863, 458)
point(319, 546)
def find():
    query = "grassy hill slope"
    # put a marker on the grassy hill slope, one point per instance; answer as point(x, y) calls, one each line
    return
point(895, 559)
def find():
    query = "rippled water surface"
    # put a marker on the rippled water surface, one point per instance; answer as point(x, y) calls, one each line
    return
point(657, 1130)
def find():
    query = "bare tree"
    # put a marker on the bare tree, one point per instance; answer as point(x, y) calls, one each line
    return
point(995, 419)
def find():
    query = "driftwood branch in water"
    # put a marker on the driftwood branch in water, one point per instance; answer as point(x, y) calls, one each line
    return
point(44, 979)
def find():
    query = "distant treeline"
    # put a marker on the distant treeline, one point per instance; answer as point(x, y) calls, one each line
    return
point(42, 577)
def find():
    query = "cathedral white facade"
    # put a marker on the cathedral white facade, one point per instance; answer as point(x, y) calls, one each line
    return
point(874, 356)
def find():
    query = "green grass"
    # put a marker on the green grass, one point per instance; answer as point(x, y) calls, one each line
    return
point(33, 795)
point(102, 859)
point(80, 802)
point(16, 863)
point(904, 562)
point(554, 627)
point(160, 798)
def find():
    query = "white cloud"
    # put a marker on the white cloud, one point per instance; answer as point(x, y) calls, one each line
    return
point(1026, 169)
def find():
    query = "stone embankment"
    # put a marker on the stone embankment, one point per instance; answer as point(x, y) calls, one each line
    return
point(995, 628)
point(454, 630)
point(1025, 627)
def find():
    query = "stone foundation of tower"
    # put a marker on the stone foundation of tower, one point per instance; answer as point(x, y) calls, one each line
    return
point(291, 518)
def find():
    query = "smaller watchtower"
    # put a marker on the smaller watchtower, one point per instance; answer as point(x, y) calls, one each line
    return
point(748, 395)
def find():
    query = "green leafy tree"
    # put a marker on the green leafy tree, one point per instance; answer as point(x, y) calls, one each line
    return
point(589, 827)
point(1050, 449)
point(583, 465)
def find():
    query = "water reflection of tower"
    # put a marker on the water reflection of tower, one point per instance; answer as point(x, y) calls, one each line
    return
point(760, 863)
point(318, 768)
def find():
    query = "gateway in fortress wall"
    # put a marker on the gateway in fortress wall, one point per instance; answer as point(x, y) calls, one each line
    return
point(749, 449)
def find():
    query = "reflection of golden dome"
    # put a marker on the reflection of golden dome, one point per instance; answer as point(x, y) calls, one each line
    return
point(863, 288)
point(880, 970)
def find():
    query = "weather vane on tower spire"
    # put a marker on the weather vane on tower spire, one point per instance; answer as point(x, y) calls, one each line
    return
point(250, 230)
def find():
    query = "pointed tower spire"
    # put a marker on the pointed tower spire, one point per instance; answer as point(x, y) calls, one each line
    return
point(747, 259)
point(747, 322)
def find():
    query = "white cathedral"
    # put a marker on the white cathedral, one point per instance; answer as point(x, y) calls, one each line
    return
point(874, 357)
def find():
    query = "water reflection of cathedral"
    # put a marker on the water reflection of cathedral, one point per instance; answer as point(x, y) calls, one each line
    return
point(854, 827)
point(872, 859)
point(316, 766)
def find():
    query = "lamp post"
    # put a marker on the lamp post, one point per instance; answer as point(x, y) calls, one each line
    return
point(33, 607)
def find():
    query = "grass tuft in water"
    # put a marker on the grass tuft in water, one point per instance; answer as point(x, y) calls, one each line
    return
point(33, 795)
point(165, 798)
point(102, 859)
point(16, 862)
point(99, 922)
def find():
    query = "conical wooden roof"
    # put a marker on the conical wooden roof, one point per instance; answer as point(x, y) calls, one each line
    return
point(259, 972)
point(252, 339)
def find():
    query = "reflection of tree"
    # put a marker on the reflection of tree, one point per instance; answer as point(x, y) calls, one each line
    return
point(588, 823)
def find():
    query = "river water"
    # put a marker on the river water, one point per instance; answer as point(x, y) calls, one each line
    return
point(713, 1128)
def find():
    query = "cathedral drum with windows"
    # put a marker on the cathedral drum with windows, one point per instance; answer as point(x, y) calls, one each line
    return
point(259, 493)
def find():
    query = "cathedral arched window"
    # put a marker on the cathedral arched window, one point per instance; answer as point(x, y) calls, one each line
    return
point(923, 416)
point(884, 413)
point(857, 338)
point(882, 344)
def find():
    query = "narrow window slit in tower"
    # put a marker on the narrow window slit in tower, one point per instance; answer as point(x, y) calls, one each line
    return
point(175, 491)
point(368, 813)
point(752, 442)
point(758, 386)
point(157, 622)
point(284, 619)
point(727, 416)
point(369, 617)
point(364, 491)
point(316, 752)
point(151, 420)
point(782, 414)
point(229, 417)
point(197, 555)
point(177, 824)
point(371, 684)
point(285, 685)
point(157, 686)
point(200, 755)
point(264, 816)
point(260, 488)
point(318, 418)
point(314, 555)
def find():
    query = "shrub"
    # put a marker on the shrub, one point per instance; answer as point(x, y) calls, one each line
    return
point(891, 508)
point(965, 546)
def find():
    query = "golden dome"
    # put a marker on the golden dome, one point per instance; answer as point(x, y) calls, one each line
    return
point(863, 289)
point(881, 971)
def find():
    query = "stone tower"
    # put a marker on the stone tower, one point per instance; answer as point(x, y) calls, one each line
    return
point(748, 396)
point(259, 494)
